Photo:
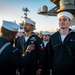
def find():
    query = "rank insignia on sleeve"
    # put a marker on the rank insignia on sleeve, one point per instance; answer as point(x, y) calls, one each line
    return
point(33, 38)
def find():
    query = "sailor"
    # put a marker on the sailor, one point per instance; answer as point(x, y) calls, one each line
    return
point(61, 47)
point(46, 38)
point(36, 61)
point(10, 57)
point(40, 34)
point(18, 35)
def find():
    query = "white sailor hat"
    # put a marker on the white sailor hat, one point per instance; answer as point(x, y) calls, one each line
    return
point(46, 33)
point(73, 27)
point(10, 26)
point(41, 32)
point(21, 30)
point(27, 20)
point(65, 13)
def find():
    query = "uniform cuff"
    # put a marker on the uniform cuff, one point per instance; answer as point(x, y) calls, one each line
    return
point(28, 51)
point(40, 69)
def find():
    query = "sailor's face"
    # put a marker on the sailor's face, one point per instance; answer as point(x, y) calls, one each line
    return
point(46, 37)
point(27, 27)
point(64, 22)
point(12, 36)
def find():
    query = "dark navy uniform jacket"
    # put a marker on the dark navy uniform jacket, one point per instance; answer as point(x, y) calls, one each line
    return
point(62, 54)
point(45, 70)
point(36, 59)
point(10, 58)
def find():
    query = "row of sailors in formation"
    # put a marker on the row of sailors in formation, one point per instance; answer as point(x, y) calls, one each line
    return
point(13, 28)
point(40, 34)
point(44, 35)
